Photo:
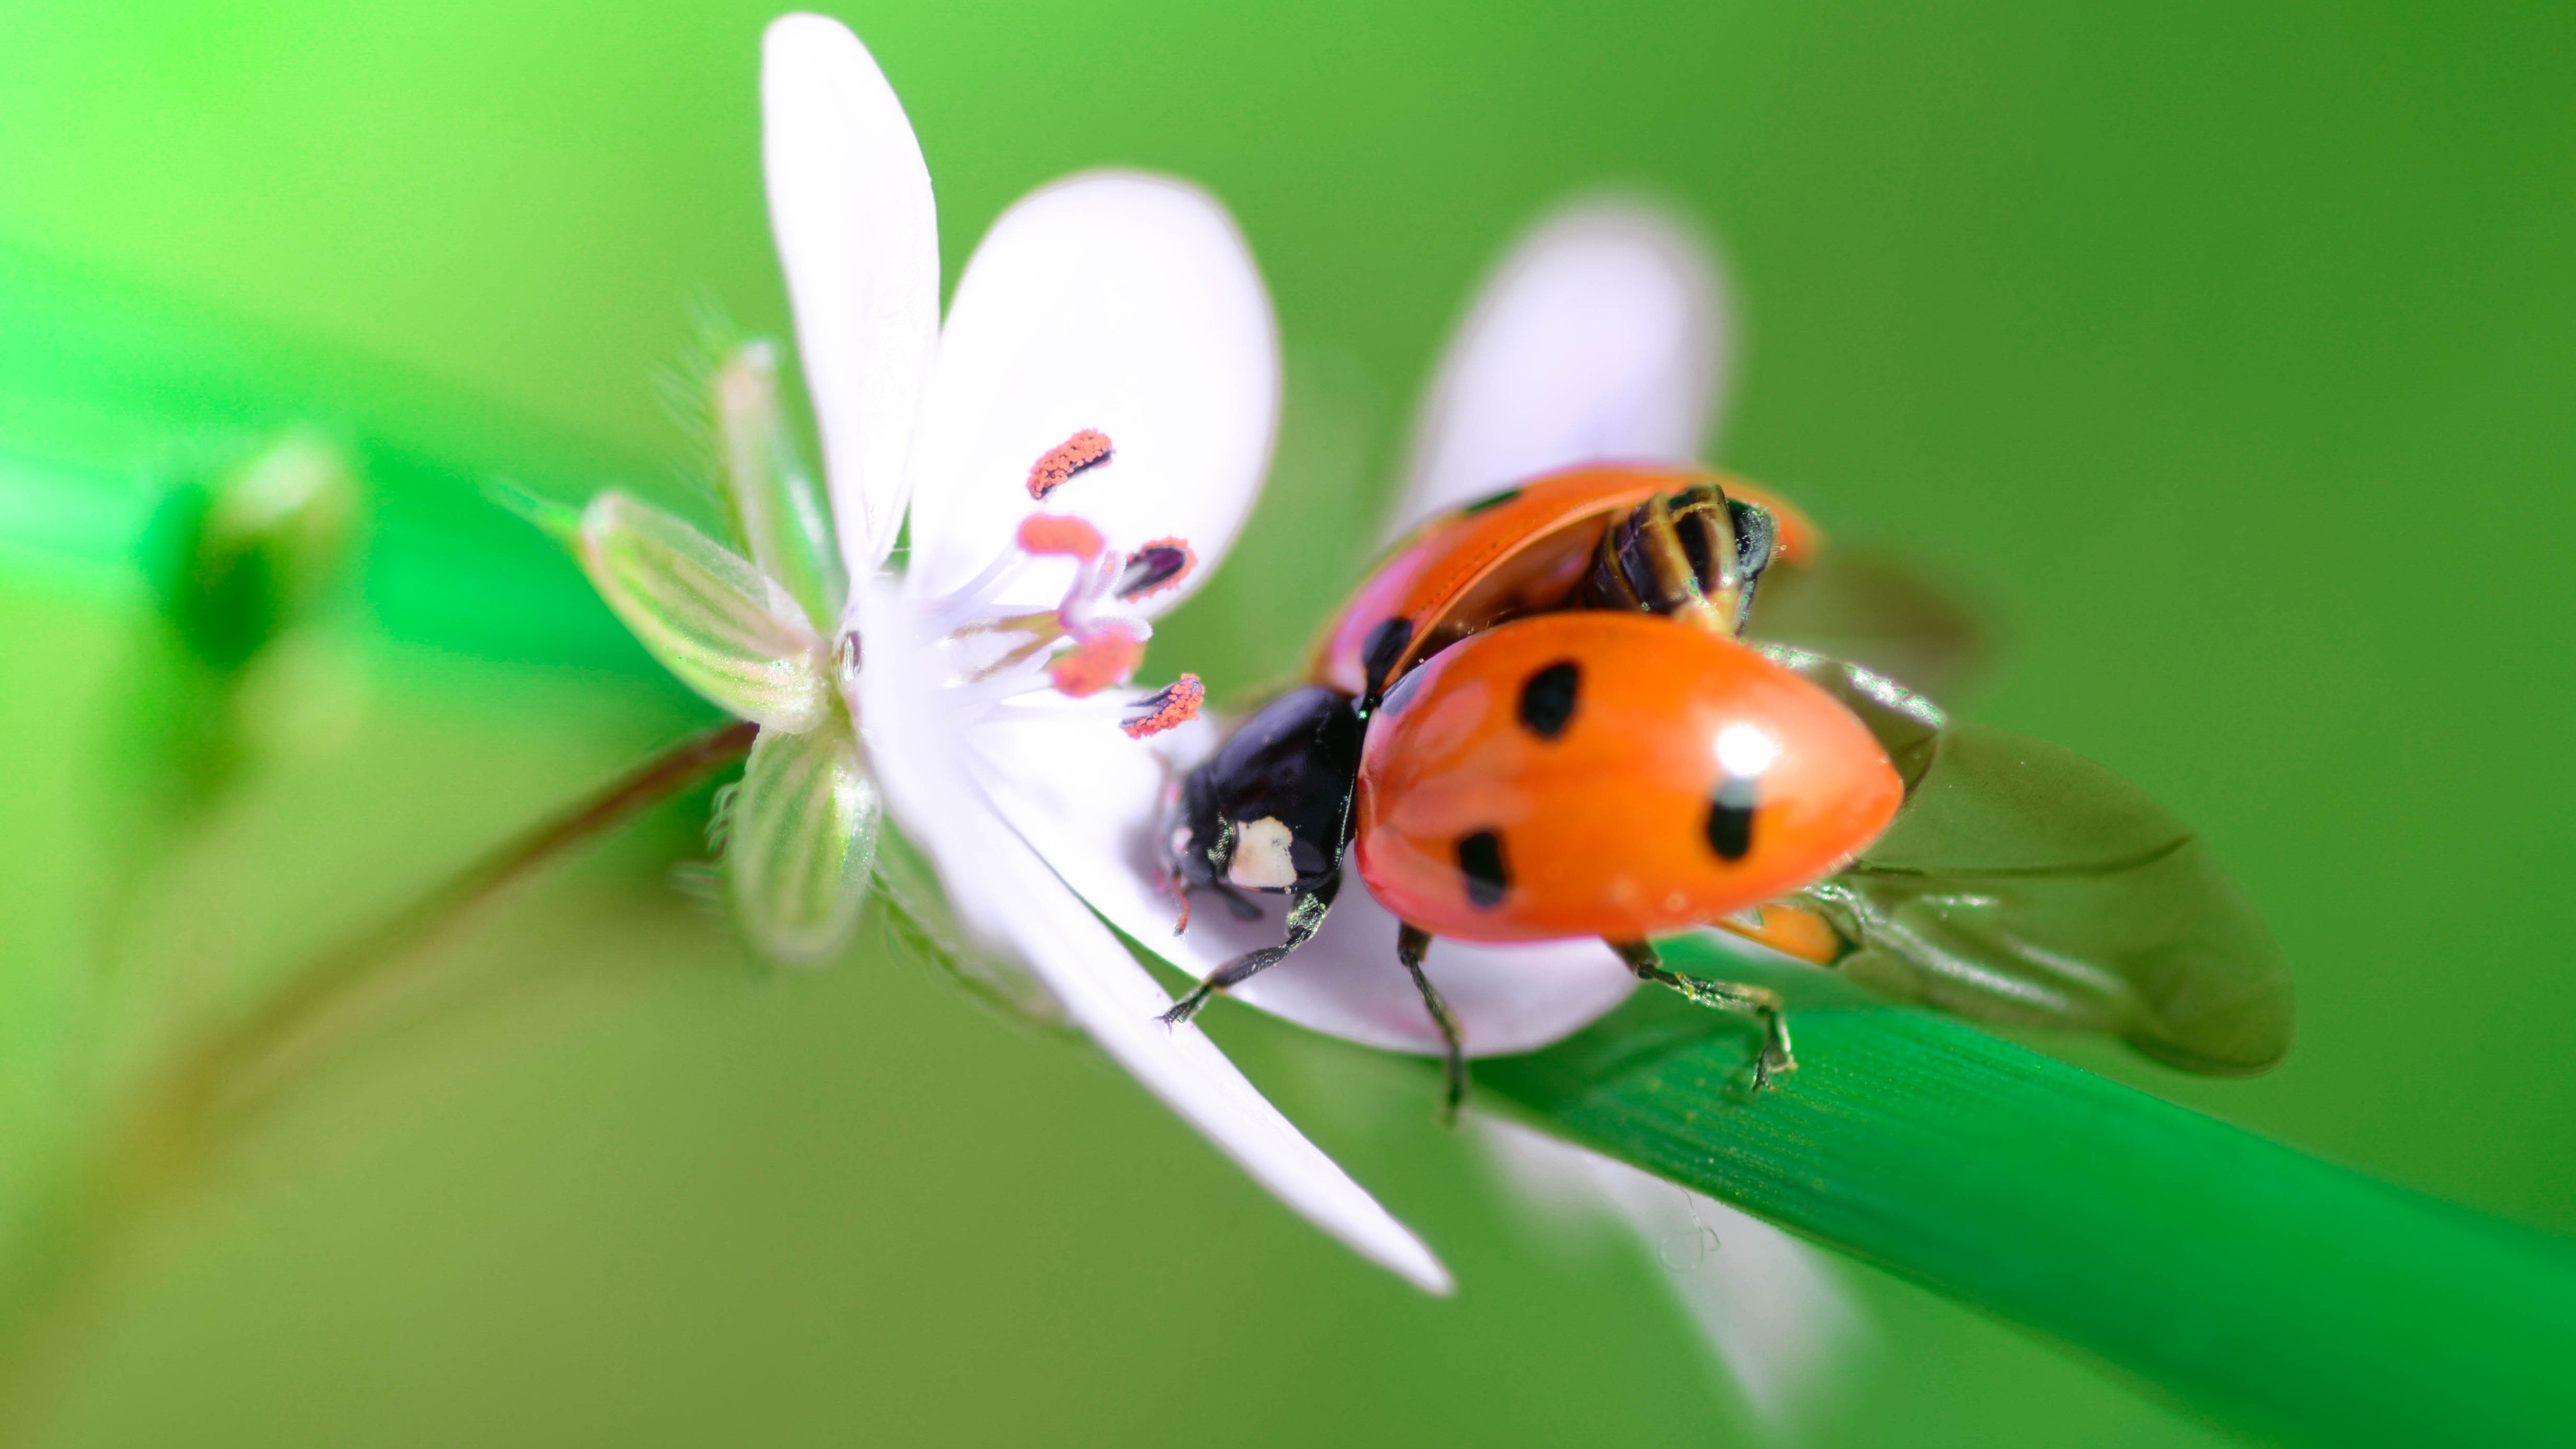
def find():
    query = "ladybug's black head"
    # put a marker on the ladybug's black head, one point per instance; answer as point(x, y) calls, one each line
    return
point(1272, 810)
point(1697, 543)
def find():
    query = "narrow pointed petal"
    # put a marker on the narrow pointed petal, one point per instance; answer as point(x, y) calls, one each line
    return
point(802, 837)
point(706, 614)
point(1005, 894)
point(1089, 799)
point(1775, 1318)
point(1601, 336)
point(1120, 303)
point(850, 206)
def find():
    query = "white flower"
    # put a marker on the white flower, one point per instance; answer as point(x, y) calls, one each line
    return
point(1077, 445)
point(1599, 338)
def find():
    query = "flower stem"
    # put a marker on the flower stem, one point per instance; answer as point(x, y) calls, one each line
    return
point(230, 1058)
point(156, 1148)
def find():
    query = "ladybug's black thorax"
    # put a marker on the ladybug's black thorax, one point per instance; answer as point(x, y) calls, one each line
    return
point(1670, 552)
point(1272, 809)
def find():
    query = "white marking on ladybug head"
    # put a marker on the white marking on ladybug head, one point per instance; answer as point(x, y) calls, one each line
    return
point(1261, 860)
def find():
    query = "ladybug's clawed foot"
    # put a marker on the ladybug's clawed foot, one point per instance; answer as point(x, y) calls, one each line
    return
point(1778, 1053)
point(1776, 1056)
point(1762, 1005)
point(1232, 974)
point(1187, 1007)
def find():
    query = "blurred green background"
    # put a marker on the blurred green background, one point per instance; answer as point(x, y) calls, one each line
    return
point(2225, 351)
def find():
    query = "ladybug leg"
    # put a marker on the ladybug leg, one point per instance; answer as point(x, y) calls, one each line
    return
point(1753, 1001)
point(1411, 942)
point(1306, 910)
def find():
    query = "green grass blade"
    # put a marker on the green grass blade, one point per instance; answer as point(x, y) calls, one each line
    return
point(2254, 1283)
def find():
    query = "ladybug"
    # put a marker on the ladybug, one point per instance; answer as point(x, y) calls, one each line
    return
point(1540, 718)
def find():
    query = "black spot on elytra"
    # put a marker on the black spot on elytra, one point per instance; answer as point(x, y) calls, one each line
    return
point(1480, 859)
point(1490, 500)
point(1378, 653)
point(1548, 698)
point(1730, 819)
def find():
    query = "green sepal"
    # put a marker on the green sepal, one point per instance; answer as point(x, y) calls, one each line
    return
point(548, 517)
point(707, 614)
point(777, 505)
point(801, 840)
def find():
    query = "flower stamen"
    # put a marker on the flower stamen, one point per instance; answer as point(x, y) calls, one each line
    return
point(1080, 453)
point(1107, 655)
point(1174, 704)
point(1157, 566)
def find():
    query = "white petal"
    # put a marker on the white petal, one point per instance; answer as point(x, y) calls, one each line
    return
point(1601, 336)
point(1091, 800)
point(849, 202)
point(1004, 893)
point(1113, 301)
point(1774, 1316)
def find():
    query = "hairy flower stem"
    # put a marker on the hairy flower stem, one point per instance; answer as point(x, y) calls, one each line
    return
point(158, 1147)
point(231, 1061)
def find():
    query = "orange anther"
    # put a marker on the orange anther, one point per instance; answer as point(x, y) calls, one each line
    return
point(1083, 451)
point(1176, 704)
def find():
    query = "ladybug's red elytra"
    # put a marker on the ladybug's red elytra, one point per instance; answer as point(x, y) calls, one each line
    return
point(1538, 719)
point(1613, 775)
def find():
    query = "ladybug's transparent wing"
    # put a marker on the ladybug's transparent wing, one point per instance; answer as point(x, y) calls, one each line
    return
point(2023, 883)
point(1873, 609)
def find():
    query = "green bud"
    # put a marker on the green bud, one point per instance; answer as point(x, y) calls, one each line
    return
point(250, 554)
